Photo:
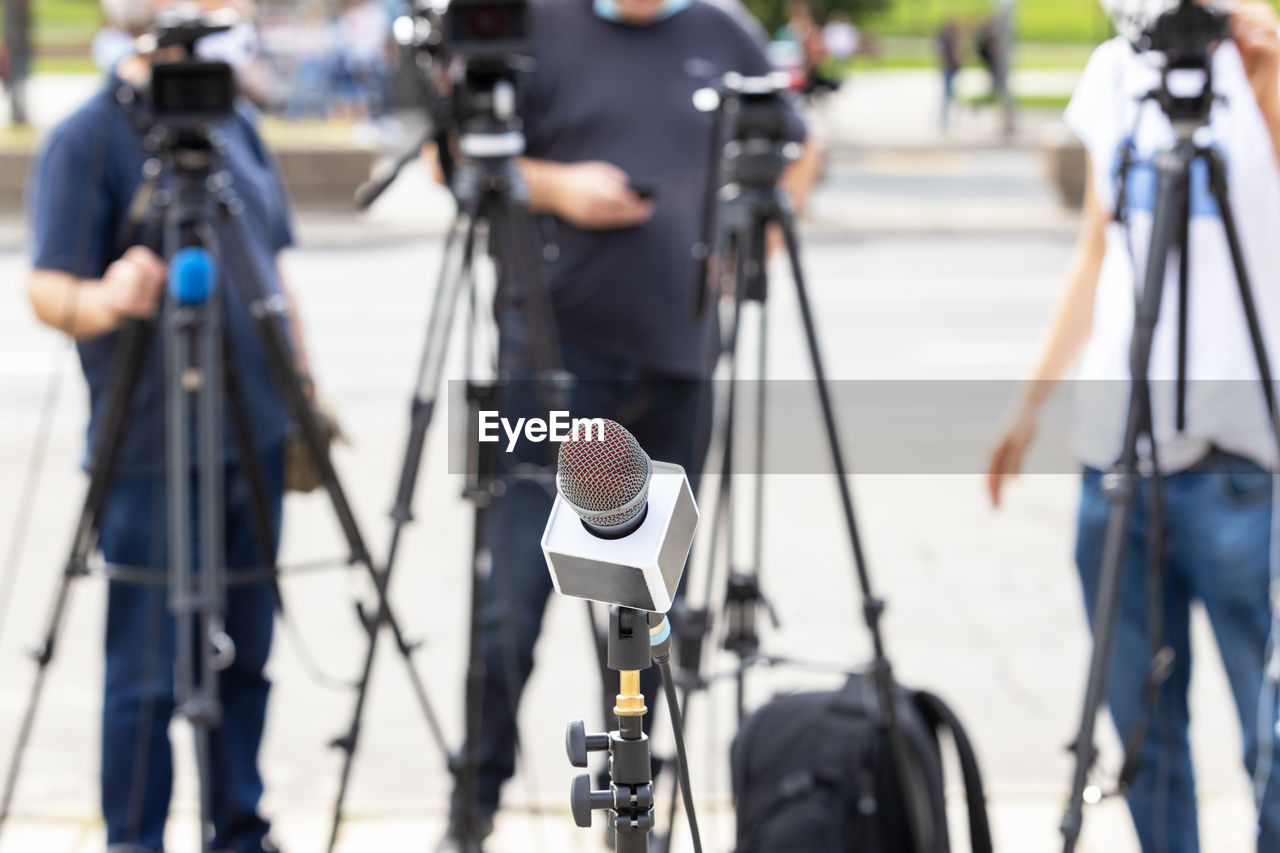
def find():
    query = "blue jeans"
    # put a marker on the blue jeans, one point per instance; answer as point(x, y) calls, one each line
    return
point(666, 415)
point(137, 763)
point(1217, 546)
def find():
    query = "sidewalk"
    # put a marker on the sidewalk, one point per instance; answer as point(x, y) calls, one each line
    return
point(901, 111)
point(1021, 823)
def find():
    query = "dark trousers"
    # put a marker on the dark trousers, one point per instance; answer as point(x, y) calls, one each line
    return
point(137, 763)
point(668, 417)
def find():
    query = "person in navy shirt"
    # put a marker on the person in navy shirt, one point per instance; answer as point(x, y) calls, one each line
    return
point(609, 109)
point(82, 283)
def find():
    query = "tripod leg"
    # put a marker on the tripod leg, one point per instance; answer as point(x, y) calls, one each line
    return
point(268, 315)
point(43, 658)
point(484, 464)
point(517, 244)
point(181, 364)
point(431, 369)
point(1172, 168)
point(430, 374)
point(263, 532)
point(873, 608)
point(1221, 195)
point(215, 649)
point(1184, 307)
point(131, 354)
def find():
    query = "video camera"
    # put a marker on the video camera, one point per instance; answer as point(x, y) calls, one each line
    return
point(1189, 31)
point(187, 93)
point(751, 117)
point(1186, 35)
point(483, 30)
point(755, 106)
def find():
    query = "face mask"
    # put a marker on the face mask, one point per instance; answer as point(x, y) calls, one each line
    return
point(608, 9)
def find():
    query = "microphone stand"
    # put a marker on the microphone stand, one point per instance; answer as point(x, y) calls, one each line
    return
point(629, 800)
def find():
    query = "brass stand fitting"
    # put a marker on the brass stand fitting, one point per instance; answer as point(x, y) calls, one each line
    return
point(630, 699)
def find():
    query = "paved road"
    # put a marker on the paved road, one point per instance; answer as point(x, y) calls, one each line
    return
point(984, 607)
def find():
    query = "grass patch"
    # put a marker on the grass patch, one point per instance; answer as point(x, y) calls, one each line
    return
point(1058, 21)
point(12, 136)
point(68, 64)
point(1047, 21)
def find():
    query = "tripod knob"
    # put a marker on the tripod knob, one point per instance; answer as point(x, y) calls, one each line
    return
point(579, 744)
point(583, 801)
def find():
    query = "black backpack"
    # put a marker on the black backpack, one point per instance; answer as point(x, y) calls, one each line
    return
point(814, 773)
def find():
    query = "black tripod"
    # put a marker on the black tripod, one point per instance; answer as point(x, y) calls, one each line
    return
point(1169, 232)
point(492, 201)
point(736, 225)
point(181, 220)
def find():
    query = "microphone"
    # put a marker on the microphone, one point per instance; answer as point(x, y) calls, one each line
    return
point(622, 525)
point(193, 274)
point(606, 481)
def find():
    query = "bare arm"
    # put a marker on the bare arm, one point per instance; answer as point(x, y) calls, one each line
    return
point(90, 308)
point(1060, 347)
point(1254, 28)
point(591, 194)
point(802, 175)
point(1073, 320)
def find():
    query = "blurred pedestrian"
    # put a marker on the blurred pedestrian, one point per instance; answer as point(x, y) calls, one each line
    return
point(988, 43)
point(364, 46)
point(841, 37)
point(315, 63)
point(1218, 541)
point(949, 60)
point(802, 27)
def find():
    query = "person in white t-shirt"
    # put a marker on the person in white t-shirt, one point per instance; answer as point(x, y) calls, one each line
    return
point(1216, 484)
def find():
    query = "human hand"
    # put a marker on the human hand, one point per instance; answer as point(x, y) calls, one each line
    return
point(595, 195)
point(1006, 458)
point(1254, 27)
point(131, 287)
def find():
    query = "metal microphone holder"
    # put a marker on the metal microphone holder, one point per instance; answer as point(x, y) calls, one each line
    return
point(629, 800)
point(1169, 233)
point(184, 199)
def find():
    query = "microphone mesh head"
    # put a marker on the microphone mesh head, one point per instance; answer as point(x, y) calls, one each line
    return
point(605, 479)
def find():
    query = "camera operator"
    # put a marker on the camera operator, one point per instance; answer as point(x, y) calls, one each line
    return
point(617, 167)
point(85, 285)
point(1216, 486)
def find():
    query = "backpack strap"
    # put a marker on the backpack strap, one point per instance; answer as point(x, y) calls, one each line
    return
point(939, 716)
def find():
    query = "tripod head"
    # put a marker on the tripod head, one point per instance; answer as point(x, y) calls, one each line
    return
point(745, 164)
point(1185, 35)
point(472, 58)
point(756, 152)
point(184, 97)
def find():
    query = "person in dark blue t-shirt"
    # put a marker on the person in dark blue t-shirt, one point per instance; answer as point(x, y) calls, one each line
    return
point(82, 283)
point(610, 107)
